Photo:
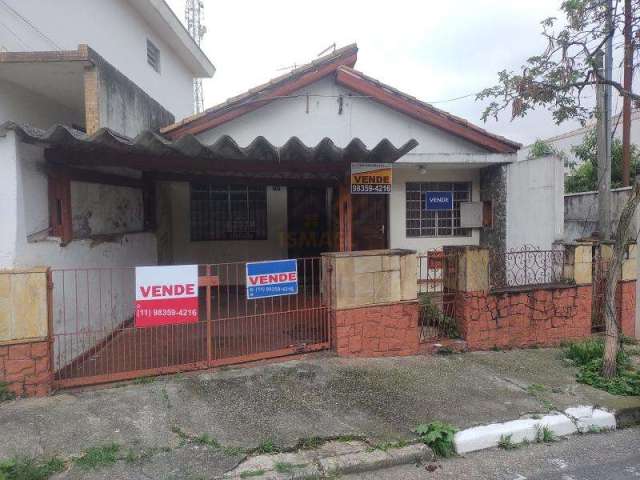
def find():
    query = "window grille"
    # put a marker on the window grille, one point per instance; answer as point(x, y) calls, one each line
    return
point(435, 223)
point(232, 212)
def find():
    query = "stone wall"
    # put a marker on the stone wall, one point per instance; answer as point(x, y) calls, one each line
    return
point(493, 188)
point(542, 316)
point(26, 368)
point(377, 331)
point(373, 300)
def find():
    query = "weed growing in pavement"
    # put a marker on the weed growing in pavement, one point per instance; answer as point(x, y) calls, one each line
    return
point(5, 393)
point(97, 457)
point(545, 434)
point(506, 443)
point(587, 356)
point(286, 467)
point(252, 473)
point(347, 438)
point(384, 446)
point(267, 446)
point(233, 451)
point(22, 468)
point(144, 380)
point(438, 436)
point(309, 443)
point(206, 440)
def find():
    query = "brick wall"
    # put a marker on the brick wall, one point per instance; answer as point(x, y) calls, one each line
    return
point(26, 368)
point(377, 330)
point(627, 307)
point(544, 316)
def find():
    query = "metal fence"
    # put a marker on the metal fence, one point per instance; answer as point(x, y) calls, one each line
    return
point(437, 292)
point(95, 338)
point(525, 267)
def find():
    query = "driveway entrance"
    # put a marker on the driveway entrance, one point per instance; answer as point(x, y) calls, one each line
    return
point(96, 341)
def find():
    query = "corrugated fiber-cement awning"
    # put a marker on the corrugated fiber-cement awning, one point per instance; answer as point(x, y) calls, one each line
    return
point(150, 152)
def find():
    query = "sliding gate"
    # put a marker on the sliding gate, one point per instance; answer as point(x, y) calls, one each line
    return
point(96, 341)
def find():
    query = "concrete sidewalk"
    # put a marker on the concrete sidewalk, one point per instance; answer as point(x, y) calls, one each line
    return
point(158, 424)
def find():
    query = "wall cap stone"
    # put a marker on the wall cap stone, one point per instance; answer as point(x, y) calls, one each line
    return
point(370, 253)
point(8, 343)
point(376, 305)
point(24, 270)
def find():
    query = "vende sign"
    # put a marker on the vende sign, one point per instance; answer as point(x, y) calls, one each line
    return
point(166, 295)
point(272, 279)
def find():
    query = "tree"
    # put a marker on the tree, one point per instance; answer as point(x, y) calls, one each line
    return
point(556, 80)
point(584, 173)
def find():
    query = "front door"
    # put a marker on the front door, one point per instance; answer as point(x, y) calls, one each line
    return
point(369, 222)
point(308, 234)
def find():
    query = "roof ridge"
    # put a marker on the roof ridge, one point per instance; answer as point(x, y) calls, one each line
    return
point(347, 51)
point(456, 118)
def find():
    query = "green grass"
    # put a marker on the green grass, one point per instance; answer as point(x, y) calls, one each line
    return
point(536, 388)
point(252, 473)
point(5, 393)
point(234, 451)
point(310, 443)
point(438, 436)
point(506, 443)
point(97, 457)
point(206, 440)
point(266, 447)
point(21, 468)
point(545, 435)
point(587, 356)
point(144, 380)
point(347, 438)
point(384, 446)
point(286, 467)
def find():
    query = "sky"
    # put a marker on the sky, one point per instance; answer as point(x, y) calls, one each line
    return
point(433, 50)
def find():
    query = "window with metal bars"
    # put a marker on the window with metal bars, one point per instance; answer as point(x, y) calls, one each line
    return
point(422, 222)
point(231, 212)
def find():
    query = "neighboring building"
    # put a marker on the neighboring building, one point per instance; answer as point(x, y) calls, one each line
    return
point(124, 64)
point(566, 142)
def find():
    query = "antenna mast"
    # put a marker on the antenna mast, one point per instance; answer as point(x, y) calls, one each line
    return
point(194, 18)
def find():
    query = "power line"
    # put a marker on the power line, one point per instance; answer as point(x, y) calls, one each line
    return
point(28, 22)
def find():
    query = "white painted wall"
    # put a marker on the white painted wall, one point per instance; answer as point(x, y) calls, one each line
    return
point(398, 213)
point(361, 118)
point(535, 204)
point(113, 29)
point(20, 105)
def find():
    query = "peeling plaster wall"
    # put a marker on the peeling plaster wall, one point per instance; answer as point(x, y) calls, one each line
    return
point(581, 213)
point(105, 209)
point(125, 107)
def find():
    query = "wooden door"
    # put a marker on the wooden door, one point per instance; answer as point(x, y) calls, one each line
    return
point(369, 222)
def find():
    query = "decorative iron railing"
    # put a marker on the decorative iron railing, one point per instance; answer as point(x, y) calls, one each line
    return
point(526, 266)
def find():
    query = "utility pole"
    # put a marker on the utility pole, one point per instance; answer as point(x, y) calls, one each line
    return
point(194, 18)
point(626, 100)
point(603, 100)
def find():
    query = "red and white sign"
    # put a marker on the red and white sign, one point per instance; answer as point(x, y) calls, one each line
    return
point(166, 295)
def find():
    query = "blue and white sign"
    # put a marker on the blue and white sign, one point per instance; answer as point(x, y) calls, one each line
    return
point(438, 200)
point(272, 279)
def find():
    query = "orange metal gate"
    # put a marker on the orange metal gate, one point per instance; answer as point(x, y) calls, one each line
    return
point(95, 340)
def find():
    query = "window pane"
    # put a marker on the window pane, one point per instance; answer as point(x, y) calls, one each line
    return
point(228, 212)
point(421, 222)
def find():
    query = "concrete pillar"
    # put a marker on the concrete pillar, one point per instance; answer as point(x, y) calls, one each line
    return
point(373, 298)
point(25, 348)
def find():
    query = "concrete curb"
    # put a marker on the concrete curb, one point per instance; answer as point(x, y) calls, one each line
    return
point(574, 420)
point(341, 463)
